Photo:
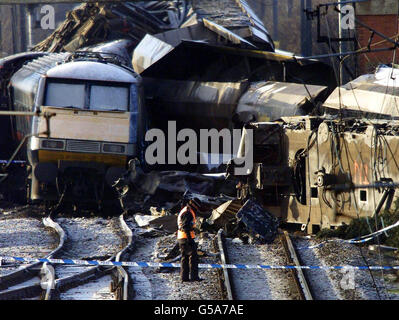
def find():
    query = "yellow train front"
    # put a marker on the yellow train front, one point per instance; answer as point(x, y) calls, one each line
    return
point(95, 128)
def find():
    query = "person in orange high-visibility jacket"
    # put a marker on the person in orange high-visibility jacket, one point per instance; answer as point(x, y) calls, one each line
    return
point(185, 237)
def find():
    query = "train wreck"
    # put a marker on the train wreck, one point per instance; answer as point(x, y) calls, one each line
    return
point(210, 69)
point(148, 132)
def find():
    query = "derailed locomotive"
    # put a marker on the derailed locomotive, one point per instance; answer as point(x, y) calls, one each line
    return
point(96, 123)
point(321, 172)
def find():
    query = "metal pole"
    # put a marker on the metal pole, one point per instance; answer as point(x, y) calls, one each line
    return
point(275, 20)
point(14, 29)
point(306, 29)
point(30, 10)
point(343, 45)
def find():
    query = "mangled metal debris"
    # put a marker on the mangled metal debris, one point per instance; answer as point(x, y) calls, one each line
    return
point(191, 77)
point(166, 223)
point(143, 220)
point(153, 48)
point(161, 193)
point(258, 221)
point(236, 219)
point(271, 100)
point(91, 23)
point(164, 190)
point(224, 217)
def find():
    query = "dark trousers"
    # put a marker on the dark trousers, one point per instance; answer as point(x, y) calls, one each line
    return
point(189, 259)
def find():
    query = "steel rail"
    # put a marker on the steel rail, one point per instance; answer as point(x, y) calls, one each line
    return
point(120, 282)
point(299, 276)
point(224, 260)
point(121, 276)
point(29, 271)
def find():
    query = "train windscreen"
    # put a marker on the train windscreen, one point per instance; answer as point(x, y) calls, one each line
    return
point(87, 96)
point(109, 98)
point(65, 95)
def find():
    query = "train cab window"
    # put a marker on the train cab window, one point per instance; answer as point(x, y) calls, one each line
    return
point(65, 95)
point(109, 98)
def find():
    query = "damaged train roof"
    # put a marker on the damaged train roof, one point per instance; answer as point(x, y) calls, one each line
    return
point(369, 95)
point(91, 24)
point(197, 57)
point(271, 100)
point(201, 40)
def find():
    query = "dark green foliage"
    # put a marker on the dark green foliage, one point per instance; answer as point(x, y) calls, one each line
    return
point(364, 226)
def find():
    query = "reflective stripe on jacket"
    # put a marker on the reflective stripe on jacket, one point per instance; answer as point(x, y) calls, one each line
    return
point(181, 234)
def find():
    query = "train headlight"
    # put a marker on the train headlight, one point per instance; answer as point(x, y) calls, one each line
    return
point(53, 144)
point(114, 148)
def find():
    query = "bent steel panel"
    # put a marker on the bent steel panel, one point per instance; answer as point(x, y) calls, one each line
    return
point(271, 100)
point(194, 104)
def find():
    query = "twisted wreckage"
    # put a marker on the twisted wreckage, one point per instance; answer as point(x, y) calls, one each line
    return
point(213, 65)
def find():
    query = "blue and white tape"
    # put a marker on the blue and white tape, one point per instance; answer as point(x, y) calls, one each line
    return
point(177, 265)
point(14, 161)
point(357, 240)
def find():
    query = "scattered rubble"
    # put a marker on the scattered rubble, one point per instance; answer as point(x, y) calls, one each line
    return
point(157, 200)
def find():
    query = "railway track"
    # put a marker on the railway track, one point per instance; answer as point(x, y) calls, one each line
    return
point(255, 284)
point(164, 283)
point(12, 284)
point(57, 280)
point(75, 281)
point(297, 274)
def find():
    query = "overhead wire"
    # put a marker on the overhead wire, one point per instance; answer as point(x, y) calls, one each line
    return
point(340, 164)
point(376, 159)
